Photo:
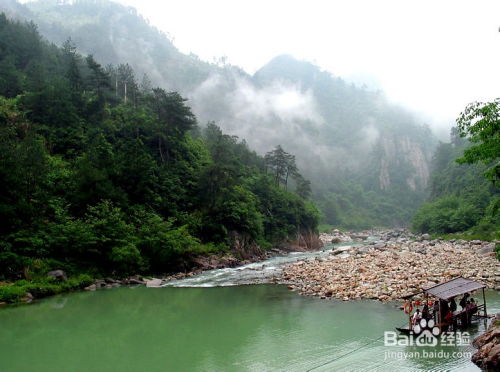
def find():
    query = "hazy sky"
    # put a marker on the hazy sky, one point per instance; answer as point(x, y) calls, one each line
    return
point(434, 56)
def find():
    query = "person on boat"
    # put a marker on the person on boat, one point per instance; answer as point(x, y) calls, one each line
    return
point(425, 312)
point(453, 305)
point(464, 316)
point(416, 317)
point(435, 309)
point(444, 308)
point(463, 301)
point(468, 311)
point(471, 309)
point(473, 305)
point(448, 319)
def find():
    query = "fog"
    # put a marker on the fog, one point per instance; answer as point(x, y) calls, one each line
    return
point(350, 89)
point(285, 113)
point(263, 116)
point(431, 56)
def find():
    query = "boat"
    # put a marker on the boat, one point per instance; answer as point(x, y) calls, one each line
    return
point(440, 318)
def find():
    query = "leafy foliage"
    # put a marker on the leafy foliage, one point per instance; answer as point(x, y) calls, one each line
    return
point(461, 199)
point(480, 122)
point(101, 176)
point(347, 137)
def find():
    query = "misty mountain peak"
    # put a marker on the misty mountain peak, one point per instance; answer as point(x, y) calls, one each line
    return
point(288, 68)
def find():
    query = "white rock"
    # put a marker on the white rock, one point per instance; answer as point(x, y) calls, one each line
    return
point(153, 283)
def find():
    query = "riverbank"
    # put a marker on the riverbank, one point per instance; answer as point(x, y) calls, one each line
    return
point(380, 265)
point(396, 264)
point(25, 291)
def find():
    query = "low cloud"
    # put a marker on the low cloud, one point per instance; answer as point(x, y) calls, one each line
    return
point(279, 113)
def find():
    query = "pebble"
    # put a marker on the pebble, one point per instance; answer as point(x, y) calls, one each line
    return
point(399, 269)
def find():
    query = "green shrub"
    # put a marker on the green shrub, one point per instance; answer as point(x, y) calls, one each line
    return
point(446, 215)
point(14, 293)
point(325, 228)
point(11, 293)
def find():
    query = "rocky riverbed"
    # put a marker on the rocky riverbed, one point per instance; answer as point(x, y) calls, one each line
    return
point(397, 263)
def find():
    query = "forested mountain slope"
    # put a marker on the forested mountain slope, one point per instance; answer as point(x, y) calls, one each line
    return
point(117, 179)
point(368, 159)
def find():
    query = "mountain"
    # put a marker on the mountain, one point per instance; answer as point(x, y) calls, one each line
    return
point(368, 159)
point(105, 180)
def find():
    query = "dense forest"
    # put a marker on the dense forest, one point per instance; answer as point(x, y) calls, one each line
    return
point(464, 196)
point(103, 175)
point(368, 159)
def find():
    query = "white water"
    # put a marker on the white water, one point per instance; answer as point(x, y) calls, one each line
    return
point(253, 273)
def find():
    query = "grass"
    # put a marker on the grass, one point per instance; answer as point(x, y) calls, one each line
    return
point(468, 236)
point(325, 228)
point(482, 231)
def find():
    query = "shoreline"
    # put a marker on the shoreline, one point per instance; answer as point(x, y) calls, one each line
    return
point(44, 288)
point(380, 265)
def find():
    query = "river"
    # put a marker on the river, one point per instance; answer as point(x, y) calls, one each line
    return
point(196, 326)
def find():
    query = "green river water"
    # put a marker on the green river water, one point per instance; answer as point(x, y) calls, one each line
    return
point(237, 328)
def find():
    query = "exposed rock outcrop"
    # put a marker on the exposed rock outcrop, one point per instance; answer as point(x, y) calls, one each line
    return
point(396, 151)
point(306, 241)
point(488, 355)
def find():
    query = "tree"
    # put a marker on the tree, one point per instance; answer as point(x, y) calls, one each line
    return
point(303, 188)
point(94, 175)
point(282, 164)
point(72, 60)
point(221, 174)
point(480, 122)
point(126, 83)
point(98, 79)
point(11, 80)
point(146, 84)
point(174, 119)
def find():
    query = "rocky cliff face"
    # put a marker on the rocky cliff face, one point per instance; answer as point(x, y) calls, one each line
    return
point(306, 241)
point(245, 248)
point(407, 156)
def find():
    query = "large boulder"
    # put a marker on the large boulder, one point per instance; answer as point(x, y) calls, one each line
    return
point(488, 355)
point(28, 297)
point(91, 287)
point(341, 250)
point(58, 274)
point(154, 283)
point(488, 248)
